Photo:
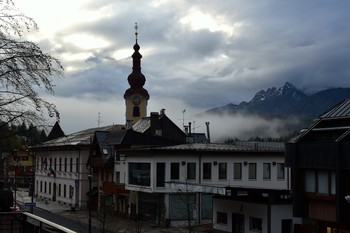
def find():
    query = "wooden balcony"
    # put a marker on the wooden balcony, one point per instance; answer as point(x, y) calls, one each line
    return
point(111, 187)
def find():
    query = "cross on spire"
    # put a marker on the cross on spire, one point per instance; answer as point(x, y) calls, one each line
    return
point(136, 33)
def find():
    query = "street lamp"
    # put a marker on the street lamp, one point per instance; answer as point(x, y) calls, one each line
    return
point(90, 187)
point(15, 180)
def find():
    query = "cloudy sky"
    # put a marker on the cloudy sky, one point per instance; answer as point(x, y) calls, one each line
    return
point(197, 54)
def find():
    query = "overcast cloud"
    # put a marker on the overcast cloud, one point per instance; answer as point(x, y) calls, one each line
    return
point(196, 54)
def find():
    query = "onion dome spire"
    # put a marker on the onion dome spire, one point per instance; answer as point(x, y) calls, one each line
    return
point(136, 79)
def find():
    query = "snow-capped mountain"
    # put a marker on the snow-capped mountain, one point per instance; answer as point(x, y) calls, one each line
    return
point(287, 101)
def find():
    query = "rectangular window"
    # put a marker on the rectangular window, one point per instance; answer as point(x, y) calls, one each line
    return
point(310, 181)
point(64, 190)
point(77, 165)
point(45, 184)
point(54, 164)
point(49, 187)
point(207, 171)
point(319, 181)
point(237, 171)
point(221, 218)
point(333, 182)
point(41, 186)
point(59, 190)
point(191, 171)
point(222, 171)
point(71, 164)
point(160, 175)
point(65, 164)
point(255, 224)
point(60, 165)
point(322, 182)
point(175, 171)
point(267, 171)
point(139, 174)
point(280, 170)
point(252, 171)
point(117, 177)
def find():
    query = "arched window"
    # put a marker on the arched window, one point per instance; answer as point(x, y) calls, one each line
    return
point(136, 111)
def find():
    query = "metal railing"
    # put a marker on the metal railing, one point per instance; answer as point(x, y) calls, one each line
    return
point(20, 222)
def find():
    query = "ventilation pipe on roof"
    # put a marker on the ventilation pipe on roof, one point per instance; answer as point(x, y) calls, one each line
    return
point(208, 131)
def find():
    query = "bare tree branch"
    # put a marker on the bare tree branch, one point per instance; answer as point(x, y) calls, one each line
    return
point(24, 69)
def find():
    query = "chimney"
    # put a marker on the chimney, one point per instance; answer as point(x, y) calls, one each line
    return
point(208, 132)
point(189, 128)
point(162, 111)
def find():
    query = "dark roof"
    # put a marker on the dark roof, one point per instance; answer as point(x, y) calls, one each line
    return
point(237, 147)
point(77, 139)
point(335, 123)
point(56, 132)
point(107, 141)
point(339, 111)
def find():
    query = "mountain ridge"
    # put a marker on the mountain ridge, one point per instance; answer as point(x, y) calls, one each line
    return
point(286, 101)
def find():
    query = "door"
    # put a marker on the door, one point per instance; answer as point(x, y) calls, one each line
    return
point(237, 223)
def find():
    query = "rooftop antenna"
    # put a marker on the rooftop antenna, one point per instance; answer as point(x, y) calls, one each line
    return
point(183, 117)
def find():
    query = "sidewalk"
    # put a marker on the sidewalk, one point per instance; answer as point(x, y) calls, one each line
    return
point(82, 216)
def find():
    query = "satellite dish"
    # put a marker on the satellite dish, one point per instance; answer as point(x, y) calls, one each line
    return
point(347, 198)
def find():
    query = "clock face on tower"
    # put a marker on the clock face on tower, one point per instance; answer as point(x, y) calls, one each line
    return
point(136, 99)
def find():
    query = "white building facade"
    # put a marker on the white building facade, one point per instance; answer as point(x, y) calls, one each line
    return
point(227, 185)
point(62, 171)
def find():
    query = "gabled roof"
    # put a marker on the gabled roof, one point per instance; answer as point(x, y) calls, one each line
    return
point(77, 139)
point(339, 111)
point(56, 132)
point(333, 125)
point(106, 142)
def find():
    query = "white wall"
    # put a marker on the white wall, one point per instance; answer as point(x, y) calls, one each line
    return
point(272, 183)
point(63, 177)
point(278, 212)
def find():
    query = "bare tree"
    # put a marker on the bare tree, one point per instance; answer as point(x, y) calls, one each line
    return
point(24, 70)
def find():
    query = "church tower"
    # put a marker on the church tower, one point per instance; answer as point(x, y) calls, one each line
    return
point(136, 96)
